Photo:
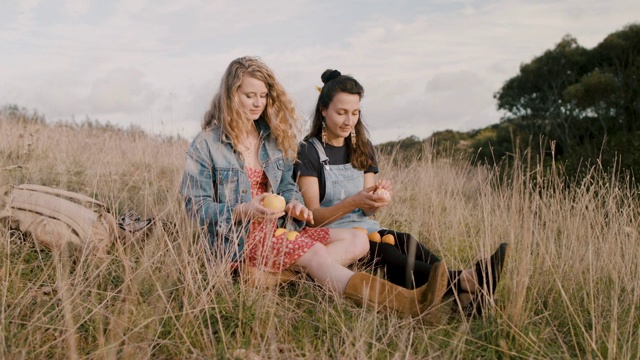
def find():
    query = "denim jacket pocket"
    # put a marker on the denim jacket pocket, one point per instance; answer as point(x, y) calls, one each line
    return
point(227, 183)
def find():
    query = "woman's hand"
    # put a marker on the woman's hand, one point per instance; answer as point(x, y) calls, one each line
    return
point(254, 210)
point(373, 198)
point(366, 200)
point(297, 210)
point(384, 184)
point(384, 189)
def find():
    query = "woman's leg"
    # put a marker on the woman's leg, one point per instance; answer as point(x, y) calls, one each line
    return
point(403, 243)
point(347, 246)
point(394, 260)
point(365, 289)
point(318, 262)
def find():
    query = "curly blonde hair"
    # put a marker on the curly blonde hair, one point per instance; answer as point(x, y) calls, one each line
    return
point(279, 113)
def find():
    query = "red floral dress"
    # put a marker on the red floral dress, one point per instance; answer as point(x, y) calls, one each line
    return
point(272, 253)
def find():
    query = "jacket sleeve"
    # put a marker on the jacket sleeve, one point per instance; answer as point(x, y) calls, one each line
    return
point(288, 188)
point(198, 190)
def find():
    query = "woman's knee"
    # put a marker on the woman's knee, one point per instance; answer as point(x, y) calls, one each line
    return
point(359, 242)
point(317, 256)
point(354, 237)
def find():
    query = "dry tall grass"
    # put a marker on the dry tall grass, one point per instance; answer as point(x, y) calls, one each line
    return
point(571, 289)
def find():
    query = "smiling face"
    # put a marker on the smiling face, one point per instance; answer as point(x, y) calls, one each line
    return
point(341, 117)
point(252, 95)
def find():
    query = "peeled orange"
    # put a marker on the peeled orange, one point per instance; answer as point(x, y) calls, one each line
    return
point(292, 235)
point(385, 194)
point(279, 231)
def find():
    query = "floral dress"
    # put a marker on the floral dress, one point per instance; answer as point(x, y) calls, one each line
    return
point(272, 253)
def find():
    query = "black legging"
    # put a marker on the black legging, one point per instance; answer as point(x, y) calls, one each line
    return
point(394, 260)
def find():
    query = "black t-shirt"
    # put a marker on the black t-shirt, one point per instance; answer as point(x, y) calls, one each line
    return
point(308, 163)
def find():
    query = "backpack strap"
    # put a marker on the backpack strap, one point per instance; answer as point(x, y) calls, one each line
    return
point(78, 217)
point(82, 199)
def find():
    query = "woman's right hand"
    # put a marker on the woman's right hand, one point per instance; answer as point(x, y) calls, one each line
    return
point(254, 210)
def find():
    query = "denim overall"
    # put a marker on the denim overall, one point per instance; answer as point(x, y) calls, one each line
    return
point(343, 181)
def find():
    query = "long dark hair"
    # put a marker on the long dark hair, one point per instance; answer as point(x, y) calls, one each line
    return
point(335, 83)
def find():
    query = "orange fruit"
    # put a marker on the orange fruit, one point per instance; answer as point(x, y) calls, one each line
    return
point(274, 202)
point(292, 235)
point(279, 231)
point(374, 236)
point(388, 239)
point(361, 229)
point(385, 194)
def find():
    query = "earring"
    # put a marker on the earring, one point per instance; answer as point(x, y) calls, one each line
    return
point(353, 137)
point(324, 133)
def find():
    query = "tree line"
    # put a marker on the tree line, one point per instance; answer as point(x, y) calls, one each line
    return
point(580, 106)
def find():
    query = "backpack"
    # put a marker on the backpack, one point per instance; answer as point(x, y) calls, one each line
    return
point(57, 218)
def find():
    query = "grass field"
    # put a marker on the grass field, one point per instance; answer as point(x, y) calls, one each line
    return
point(571, 288)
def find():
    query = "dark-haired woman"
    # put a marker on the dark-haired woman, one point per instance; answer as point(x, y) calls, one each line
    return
point(336, 171)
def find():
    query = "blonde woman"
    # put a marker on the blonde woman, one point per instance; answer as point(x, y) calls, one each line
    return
point(245, 151)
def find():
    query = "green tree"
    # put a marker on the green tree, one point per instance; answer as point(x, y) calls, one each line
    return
point(534, 96)
point(619, 55)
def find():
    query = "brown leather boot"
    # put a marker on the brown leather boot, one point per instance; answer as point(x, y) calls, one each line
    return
point(369, 290)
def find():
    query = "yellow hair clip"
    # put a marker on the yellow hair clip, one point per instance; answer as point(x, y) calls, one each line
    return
point(318, 88)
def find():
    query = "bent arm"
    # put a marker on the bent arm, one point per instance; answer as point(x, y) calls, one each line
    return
point(310, 189)
point(322, 216)
point(197, 188)
point(288, 187)
point(369, 182)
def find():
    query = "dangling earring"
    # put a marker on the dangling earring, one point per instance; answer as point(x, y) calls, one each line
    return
point(324, 133)
point(353, 137)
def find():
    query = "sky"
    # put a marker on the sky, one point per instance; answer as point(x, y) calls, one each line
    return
point(426, 65)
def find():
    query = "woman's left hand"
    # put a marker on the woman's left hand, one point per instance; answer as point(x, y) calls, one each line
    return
point(297, 210)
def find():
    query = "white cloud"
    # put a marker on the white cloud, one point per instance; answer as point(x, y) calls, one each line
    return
point(426, 65)
point(24, 20)
point(75, 7)
point(121, 91)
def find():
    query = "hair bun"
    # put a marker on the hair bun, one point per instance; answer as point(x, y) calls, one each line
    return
point(329, 75)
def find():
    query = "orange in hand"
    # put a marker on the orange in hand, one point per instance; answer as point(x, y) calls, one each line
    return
point(274, 202)
point(385, 194)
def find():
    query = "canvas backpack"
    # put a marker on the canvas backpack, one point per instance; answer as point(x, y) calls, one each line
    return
point(57, 218)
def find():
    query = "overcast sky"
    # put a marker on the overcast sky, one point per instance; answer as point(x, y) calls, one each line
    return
point(426, 65)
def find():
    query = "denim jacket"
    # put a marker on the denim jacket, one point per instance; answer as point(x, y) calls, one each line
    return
point(215, 182)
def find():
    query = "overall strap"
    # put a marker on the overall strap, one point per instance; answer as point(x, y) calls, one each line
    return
point(324, 160)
